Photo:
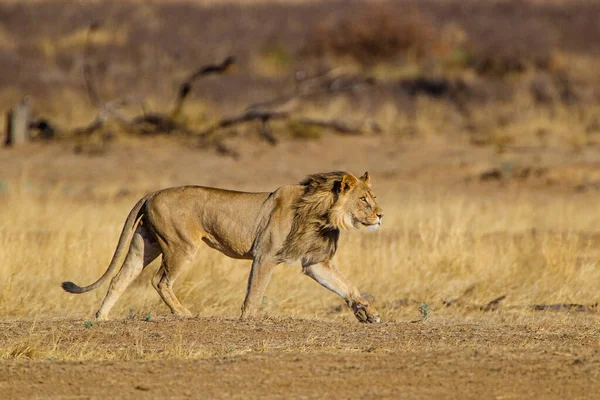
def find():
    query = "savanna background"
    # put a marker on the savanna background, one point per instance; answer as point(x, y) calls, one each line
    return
point(478, 121)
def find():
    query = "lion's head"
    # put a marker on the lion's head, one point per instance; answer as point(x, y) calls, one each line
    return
point(331, 202)
point(339, 200)
point(356, 205)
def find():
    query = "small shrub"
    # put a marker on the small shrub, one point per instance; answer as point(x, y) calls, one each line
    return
point(424, 310)
point(131, 314)
point(304, 131)
point(88, 324)
point(276, 54)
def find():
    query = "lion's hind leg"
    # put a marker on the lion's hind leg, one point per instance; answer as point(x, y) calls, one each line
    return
point(171, 268)
point(142, 251)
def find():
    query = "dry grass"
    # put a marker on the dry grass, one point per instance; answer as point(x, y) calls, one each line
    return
point(217, 338)
point(435, 246)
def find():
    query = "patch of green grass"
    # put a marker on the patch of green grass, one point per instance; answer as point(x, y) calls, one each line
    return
point(277, 55)
point(304, 131)
point(424, 310)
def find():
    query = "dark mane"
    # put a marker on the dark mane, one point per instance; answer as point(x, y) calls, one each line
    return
point(326, 179)
point(312, 236)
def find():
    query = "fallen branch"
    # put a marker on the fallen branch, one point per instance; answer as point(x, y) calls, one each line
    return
point(186, 86)
point(266, 116)
point(225, 150)
point(154, 123)
point(87, 67)
point(267, 133)
point(308, 86)
point(247, 116)
point(107, 112)
point(565, 307)
point(338, 126)
point(494, 304)
point(157, 123)
point(280, 108)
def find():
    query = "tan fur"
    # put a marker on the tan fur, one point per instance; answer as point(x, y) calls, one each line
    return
point(293, 223)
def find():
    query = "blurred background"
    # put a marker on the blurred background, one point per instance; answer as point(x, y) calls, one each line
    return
point(515, 81)
point(478, 120)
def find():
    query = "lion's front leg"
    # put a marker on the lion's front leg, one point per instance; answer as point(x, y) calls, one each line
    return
point(329, 276)
point(257, 284)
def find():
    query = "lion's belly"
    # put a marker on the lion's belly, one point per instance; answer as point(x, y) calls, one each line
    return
point(232, 249)
point(231, 229)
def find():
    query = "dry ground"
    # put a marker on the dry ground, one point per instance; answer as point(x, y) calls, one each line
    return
point(479, 356)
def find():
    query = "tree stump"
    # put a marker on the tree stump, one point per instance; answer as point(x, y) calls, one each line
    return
point(17, 123)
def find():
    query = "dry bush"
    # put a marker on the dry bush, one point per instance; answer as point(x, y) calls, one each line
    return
point(374, 33)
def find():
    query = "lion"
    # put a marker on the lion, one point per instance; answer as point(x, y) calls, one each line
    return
point(294, 223)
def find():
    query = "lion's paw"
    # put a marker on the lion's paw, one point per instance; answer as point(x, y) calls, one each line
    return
point(365, 313)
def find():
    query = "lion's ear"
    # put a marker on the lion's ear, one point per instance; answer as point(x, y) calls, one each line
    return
point(366, 178)
point(348, 182)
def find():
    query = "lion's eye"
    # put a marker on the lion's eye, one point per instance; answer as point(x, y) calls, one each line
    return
point(364, 199)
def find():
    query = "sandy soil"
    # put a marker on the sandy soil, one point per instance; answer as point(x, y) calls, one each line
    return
point(474, 357)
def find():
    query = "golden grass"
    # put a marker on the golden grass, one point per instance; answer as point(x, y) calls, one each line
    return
point(435, 245)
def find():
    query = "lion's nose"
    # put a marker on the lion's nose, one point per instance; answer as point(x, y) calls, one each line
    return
point(380, 215)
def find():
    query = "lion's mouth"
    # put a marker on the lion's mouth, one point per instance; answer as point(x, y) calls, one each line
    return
point(378, 222)
point(370, 224)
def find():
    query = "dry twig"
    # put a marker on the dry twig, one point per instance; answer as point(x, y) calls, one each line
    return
point(494, 304)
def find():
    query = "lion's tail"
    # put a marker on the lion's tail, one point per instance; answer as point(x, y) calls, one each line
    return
point(131, 223)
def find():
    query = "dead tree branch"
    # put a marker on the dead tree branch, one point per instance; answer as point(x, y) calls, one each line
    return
point(266, 116)
point(157, 123)
point(107, 112)
point(186, 86)
point(494, 304)
point(310, 86)
point(147, 123)
point(88, 74)
point(566, 307)
point(152, 123)
point(282, 108)
point(249, 115)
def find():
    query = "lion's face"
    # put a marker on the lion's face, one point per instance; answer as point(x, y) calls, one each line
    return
point(356, 206)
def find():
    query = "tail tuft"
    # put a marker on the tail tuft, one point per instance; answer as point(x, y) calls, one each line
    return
point(72, 288)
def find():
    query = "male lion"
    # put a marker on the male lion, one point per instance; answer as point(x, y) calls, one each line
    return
point(294, 223)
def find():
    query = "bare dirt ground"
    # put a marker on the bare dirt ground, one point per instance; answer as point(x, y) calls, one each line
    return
point(501, 357)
